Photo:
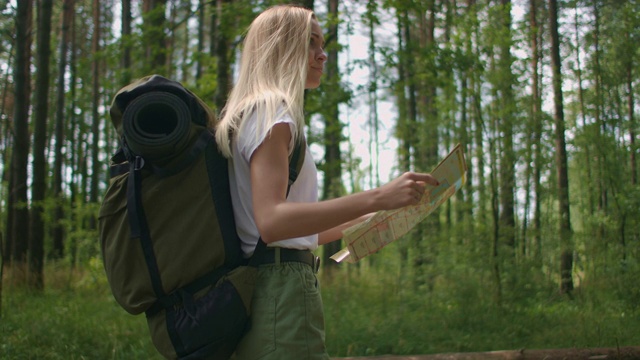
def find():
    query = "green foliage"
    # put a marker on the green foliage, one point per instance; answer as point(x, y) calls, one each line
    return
point(370, 309)
point(376, 312)
point(80, 322)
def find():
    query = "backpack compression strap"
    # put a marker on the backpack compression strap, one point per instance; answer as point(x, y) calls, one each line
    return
point(121, 166)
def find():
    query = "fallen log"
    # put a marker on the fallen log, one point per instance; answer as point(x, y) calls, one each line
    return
point(620, 353)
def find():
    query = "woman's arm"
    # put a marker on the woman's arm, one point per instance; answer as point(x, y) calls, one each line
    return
point(336, 233)
point(278, 219)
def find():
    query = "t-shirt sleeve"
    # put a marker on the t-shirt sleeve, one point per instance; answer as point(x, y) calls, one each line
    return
point(249, 139)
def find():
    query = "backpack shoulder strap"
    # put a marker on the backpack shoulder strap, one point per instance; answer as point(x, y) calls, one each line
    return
point(295, 162)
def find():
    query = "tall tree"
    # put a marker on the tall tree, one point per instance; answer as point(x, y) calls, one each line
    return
point(21, 80)
point(223, 52)
point(332, 164)
point(36, 236)
point(371, 20)
point(95, 103)
point(58, 229)
point(200, 45)
point(423, 100)
point(506, 120)
point(631, 21)
point(536, 118)
point(566, 256)
point(7, 177)
point(125, 43)
point(154, 35)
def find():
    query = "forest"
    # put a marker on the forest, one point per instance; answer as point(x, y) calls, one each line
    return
point(539, 249)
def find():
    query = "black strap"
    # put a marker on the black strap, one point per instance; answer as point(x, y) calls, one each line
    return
point(138, 222)
point(121, 166)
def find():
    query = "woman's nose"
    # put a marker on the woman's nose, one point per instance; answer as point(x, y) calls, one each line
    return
point(322, 56)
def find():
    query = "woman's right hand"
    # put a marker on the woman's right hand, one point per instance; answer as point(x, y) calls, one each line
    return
point(405, 190)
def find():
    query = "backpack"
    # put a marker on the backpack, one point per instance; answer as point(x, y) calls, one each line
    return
point(166, 226)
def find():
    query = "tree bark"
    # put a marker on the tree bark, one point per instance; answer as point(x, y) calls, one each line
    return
point(6, 176)
point(95, 104)
point(21, 79)
point(222, 53)
point(200, 44)
point(566, 256)
point(154, 34)
point(125, 60)
point(38, 189)
point(57, 251)
point(536, 110)
point(332, 167)
point(506, 123)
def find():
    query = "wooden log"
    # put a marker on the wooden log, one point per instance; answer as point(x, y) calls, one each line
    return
point(621, 353)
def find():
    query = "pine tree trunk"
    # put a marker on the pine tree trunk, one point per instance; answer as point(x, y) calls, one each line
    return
point(566, 257)
point(222, 53)
point(36, 236)
point(154, 34)
point(95, 104)
point(125, 61)
point(506, 123)
point(19, 163)
point(5, 176)
point(536, 110)
point(332, 167)
point(57, 251)
point(200, 44)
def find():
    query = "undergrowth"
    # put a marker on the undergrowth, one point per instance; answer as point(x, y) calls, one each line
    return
point(369, 311)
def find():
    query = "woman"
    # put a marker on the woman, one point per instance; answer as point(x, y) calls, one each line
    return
point(263, 120)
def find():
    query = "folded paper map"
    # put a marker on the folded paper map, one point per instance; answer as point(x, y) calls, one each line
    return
point(387, 226)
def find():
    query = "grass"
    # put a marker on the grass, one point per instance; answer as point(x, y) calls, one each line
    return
point(75, 317)
point(374, 314)
point(367, 313)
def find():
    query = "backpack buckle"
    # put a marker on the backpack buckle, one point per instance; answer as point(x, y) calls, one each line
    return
point(138, 163)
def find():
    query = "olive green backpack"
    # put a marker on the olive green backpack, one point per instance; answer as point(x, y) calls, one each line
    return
point(166, 225)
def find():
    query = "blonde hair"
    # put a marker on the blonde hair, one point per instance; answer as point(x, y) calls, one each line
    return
point(272, 75)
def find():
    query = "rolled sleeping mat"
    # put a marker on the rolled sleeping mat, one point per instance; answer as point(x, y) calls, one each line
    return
point(156, 125)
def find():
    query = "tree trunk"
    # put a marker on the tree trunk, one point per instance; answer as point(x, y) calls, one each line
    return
point(125, 61)
point(506, 122)
point(6, 175)
point(601, 128)
point(566, 257)
point(95, 104)
point(536, 111)
point(36, 236)
point(588, 184)
point(372, 94)
point(154, 34)
point(222, 53)
point(630, 114)
point(200, 44)
point(21, 79)
point(332, 167)
point(404, 128)
point(73, 143)
point(58, 229)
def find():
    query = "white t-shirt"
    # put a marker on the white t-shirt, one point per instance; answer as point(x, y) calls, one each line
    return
point(304, 189)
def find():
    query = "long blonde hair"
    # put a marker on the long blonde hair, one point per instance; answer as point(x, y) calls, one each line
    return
point(272, 75)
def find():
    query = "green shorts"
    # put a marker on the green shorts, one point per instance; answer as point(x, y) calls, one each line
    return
point(287, 320)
